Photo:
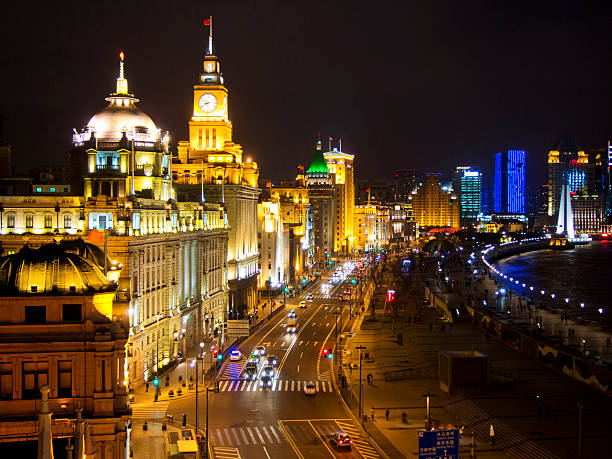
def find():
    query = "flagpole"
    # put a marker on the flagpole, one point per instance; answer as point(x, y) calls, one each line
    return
point(210, 51)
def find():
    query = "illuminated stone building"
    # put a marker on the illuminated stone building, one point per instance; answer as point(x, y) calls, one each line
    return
point(60, 328)
point(364, 217)
point(295, 211)
point(434, 206)
point(322, 200)
point(340, 165)
point(212, 168)
point(273, 244)
point(121, 152)
point(168, 258)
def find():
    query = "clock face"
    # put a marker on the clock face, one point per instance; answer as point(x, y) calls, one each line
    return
point(207, 102)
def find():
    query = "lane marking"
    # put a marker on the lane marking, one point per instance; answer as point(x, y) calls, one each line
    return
point(322, 440)
point(291, 442)
point(266, 451)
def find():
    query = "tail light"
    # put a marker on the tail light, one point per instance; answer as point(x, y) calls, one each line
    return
point(351, 441)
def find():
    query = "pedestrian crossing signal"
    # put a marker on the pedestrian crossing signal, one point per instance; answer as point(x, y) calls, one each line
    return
point(329, 356)
point(326, 352)
point(156, 382)
point(353, 281)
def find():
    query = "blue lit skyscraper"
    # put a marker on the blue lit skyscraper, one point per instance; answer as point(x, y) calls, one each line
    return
point(509, 191)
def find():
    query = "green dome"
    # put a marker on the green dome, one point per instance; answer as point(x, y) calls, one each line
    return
point(318, 165)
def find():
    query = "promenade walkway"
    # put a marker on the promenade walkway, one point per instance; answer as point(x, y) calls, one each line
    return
point(534, 409)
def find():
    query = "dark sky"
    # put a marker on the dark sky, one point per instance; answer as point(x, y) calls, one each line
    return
point(425, 85)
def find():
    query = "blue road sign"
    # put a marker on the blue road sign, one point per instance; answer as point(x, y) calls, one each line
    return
point(439, 444)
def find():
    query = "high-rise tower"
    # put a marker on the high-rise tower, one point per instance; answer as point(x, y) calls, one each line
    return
point(212, 168)
point(509, 191)
point(340, 165)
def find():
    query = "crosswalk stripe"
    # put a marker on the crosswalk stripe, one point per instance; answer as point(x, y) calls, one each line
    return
point(323, 386)
point(236, 436)
point(299, 383)
point(273, 385)
point(220, 437)
point(259, 434)
point(275, 434)
point(266, 432)
point(231, 385)
point(244, 437)
point(224, 385)
point(244, 385)
point(317, 386)
point(251, 435)
point(287, 384)
point(292, 383)
point(238, 385)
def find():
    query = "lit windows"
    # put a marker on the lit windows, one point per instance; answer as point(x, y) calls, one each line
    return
point(29, 220)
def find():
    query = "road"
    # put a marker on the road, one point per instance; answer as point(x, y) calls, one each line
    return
point(250, 421)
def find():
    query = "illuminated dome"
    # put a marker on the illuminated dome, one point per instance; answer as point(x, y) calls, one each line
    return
point(119, 117)
point(50, 270)
point(110, 123)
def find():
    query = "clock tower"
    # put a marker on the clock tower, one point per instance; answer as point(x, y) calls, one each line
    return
point(210, 168)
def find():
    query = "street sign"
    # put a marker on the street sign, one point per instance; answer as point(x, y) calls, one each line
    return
point(439, 444)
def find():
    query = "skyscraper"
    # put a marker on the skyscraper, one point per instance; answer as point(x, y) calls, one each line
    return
point(509, 191)
point(433, 205)
point(470, 193)
point(340, 164)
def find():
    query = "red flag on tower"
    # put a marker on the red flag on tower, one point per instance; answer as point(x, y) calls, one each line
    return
point(207, 21)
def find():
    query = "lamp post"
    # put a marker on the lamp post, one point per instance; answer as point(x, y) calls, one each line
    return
point(428, 396)
point(199, 357)
point(360, 348)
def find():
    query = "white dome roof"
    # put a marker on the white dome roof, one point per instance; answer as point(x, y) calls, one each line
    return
point(122, 115)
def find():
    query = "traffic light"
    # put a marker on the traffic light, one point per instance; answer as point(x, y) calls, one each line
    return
point(326, 352)
point(353, 281)
point(390, 296)
point(215, 353)
point(286, 290)
point(219, 356)
point(156, 382)
point(330, 356)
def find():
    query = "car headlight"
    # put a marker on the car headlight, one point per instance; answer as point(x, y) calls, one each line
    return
point(269, 383)
point(261, 383)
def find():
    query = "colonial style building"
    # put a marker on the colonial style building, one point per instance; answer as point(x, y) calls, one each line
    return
point(212, 168)
point(169, 258)
point(61, 334)
point(434, 206)
point(340, 164)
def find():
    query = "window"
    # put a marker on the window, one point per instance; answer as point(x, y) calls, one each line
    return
point(10, 221)
point(100, 221)
point(35, 314)
point(64, 378)
point(35, 374)
point(67, 221)
point(6, 381)
point(29, 221)
point(71, 313)
point(48, 221)
point(38, 189)
point(52, 189)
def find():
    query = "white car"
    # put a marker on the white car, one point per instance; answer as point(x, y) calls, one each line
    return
point(310, 389)
point(235, 355)
point(302, 304)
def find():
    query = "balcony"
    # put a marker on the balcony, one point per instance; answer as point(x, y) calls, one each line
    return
point(108, 168)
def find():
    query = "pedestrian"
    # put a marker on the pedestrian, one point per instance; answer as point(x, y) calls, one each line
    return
point(492, 434)
point(147, 386)
point(387, 413)
point(372, 413)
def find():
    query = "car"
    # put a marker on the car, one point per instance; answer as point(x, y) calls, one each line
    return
point(292, 314)
point(309, 296)
point(265, 381)
point(292, 326)
point(271, 360)
point(260, 350)
point(235, 355)
point(310, 389)
point(302, 304)
point(341, 440)
point(250, 371)
point(269, 371)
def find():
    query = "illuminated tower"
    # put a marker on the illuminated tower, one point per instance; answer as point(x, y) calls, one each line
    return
point(121, 152)
point(211, 168)
point(322, 204)
point(509, 193)
point(340, 165)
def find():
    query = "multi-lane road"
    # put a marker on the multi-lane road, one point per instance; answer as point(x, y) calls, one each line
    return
point(250, 421)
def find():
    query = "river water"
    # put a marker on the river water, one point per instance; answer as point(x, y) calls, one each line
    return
point(583, 274)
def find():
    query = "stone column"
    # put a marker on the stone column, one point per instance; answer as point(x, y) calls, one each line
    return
point(45, 437)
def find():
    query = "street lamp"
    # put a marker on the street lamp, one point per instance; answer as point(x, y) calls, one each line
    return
point(360, 348)
point(200, 356)
point(428, 396)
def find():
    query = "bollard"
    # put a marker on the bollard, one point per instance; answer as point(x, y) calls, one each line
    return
point(144, 426)
point(184, 421)
point(164, 426)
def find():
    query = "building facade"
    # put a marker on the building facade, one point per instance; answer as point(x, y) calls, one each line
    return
point(470, 192)
point(434, 206)
point(61, 335)
point(341, 166)
point(211, 168)
point(509, 189)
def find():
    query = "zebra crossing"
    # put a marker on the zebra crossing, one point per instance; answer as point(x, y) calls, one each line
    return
point(153, 410)
point(228, 437)
point(322, 296)
point(286, 385)
point(477, 420)
point(325, 375)
point(225, 452)
point(359, 442)
point(232, 370)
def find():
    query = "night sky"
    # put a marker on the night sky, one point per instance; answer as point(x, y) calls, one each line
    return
point(425, 85)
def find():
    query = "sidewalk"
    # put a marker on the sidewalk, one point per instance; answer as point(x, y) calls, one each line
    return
point(510, 402)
